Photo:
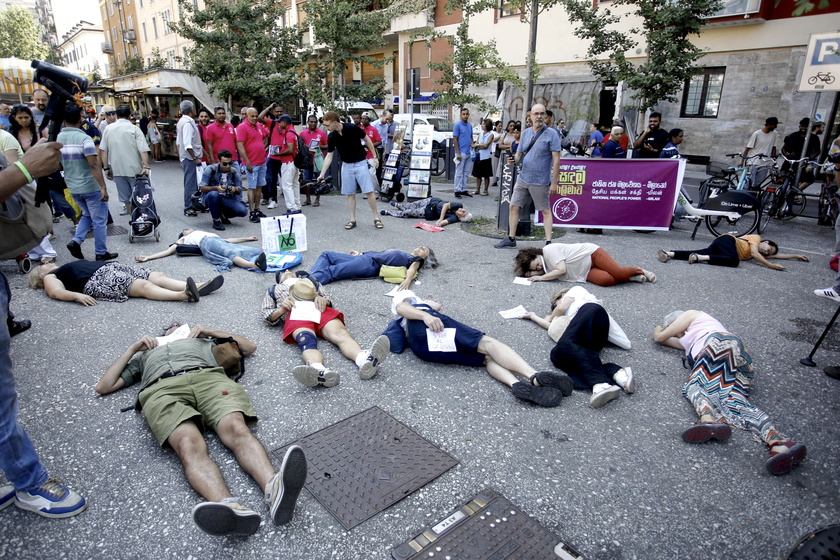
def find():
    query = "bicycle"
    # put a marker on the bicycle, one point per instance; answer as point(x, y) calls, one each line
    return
point(829, 208)
point(734, 212)
point(821, 76)
point(782, 200)
point(724, 176)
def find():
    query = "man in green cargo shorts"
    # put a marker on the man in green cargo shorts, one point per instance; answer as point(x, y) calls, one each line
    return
point(185, 388)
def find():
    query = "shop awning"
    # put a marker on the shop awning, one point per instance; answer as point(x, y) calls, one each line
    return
point(16, 77)
point(166, 82)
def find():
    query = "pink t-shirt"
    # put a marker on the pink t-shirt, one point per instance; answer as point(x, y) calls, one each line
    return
point(697, 333)
point(314, 139)
point(374, 136)
point(277, 144)
point(252, 138)
point(223, 138)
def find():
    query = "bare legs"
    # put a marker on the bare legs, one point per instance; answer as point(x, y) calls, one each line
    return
point(159, 287)
point(503, 361)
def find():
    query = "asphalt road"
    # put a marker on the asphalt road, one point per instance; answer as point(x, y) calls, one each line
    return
point(616, 482)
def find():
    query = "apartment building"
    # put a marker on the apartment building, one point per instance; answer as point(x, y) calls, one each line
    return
point(81, 49)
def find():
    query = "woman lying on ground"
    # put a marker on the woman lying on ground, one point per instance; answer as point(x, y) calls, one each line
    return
point(88, 281)
point(331, 266)
point(728, 250)
point(581, 327)
point(215, 250)
point(719, 386)
point(443, 213)
point(576, 262)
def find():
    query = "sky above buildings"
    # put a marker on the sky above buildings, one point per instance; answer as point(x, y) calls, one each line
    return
point(67, 14)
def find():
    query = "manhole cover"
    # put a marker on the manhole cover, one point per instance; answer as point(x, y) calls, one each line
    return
point(112, 230)
point(488, 527)
point(823, 544)
point(367, 463)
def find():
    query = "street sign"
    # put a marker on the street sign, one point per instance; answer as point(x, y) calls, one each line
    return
point(822, 64)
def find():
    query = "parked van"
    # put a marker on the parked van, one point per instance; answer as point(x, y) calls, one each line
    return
point(443, 127)
point(352, 107)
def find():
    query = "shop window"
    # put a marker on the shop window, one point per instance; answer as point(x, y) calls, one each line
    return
point(702, 92)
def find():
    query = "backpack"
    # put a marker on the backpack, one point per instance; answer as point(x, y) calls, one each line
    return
point(303, 157)
point(23, 222)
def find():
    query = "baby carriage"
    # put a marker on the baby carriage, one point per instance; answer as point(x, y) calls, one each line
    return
point(144, 217)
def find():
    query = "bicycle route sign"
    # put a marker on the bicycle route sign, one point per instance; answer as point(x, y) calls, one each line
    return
point(821, 71)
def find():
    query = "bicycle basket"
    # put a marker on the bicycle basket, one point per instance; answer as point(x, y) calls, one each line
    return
point(719, 169)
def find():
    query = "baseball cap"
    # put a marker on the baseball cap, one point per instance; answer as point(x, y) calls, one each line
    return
point(285, 118)
point(772, 121)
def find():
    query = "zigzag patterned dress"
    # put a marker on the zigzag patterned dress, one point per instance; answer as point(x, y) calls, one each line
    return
point(719, 383)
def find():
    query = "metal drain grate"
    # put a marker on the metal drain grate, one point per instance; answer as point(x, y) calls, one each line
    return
point(488, 527)
point(823, 544)
point(367, 463)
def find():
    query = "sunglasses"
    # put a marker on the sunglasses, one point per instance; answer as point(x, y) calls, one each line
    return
point(225, 163)
point(109, 113)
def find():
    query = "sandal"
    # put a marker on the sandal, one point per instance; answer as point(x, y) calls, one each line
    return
point(350, 225)
point(316, 203)
point(476, 193)
point(306, 203)
point(704, 431)
point(378, 224)
point(781, 462)
point(693, 258)
point(485, 193)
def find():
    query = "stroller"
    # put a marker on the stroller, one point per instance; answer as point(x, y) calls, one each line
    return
point(144, 217)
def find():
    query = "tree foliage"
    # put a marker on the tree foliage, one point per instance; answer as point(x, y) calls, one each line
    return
point(242, 50)
point(804, 7)
point(20, 35)
point(342, 29)
point(471, 65)
point(665, 29)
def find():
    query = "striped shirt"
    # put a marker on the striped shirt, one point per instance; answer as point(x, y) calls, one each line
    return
point(77, 147)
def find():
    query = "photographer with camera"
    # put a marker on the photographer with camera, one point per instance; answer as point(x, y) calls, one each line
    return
point(32, 489)
point(221, 185)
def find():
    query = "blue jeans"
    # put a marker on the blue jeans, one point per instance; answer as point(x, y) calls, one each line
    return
point(231, 206)
point(190, 181)
point(462, 172)
point(221, 253)
point(332, 266)
point(60, 204)
point(18, 459)
point(95, 214)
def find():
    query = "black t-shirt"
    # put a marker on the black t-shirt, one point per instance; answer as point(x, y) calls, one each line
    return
point(75, 275)
point(435, 206)
point(792, 146)
point(348, 143)
point(657, 140)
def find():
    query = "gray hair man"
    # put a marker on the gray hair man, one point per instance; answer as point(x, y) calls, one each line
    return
point(189, 153)
point(125, 154)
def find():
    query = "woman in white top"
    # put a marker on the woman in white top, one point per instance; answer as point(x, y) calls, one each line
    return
point(576, 262)
point(581, 327)
point(221, 252)
point(719, 386)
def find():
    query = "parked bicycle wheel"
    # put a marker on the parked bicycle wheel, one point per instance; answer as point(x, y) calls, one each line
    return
point(765, 201)
point(438, 160)
point(745, 225)
point(828, 205)
point(794, 204)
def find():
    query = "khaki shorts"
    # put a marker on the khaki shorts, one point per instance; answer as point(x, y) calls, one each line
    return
point(522, 191)
point(204, 396)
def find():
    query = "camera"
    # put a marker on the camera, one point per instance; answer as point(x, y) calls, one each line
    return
point(56, 79)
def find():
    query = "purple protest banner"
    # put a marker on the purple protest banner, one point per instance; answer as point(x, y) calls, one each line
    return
point(617, 193)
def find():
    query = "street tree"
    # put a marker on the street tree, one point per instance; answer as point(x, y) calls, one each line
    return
point(664, 32)
point(19, 35)
point(343, 30)
point(242, 50)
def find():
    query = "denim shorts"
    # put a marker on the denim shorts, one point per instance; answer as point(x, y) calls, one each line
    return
point(353, 174)
point(256, 178)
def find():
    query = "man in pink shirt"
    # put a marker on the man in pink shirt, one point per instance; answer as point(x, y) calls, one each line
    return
point(220, 136)
point(316, 139)
point(282, 147)
point(251, 139)
point(376, 139)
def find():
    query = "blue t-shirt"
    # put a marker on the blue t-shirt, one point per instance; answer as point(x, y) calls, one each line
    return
point(536, 165)
point(596, 138)
point(463, 132)
point(613, 150)
point(669, 151)
point(4, 122)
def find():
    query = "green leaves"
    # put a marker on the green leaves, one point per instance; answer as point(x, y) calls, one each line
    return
point(20, 35)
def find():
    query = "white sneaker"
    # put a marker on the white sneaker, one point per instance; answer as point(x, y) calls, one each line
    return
point(227, 517)
point(314, 377)
point(602, 393)
point(625, 380)
point(376, 355)
point(272, 205)
point(640, 278)
point(51, 499)
point(828, 293)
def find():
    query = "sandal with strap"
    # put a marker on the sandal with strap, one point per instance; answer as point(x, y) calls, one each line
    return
point(704, 431)
point(378, 224)
point(350, 225)
point(781, 462)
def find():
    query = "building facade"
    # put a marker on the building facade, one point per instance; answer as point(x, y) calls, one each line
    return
point(81, 50)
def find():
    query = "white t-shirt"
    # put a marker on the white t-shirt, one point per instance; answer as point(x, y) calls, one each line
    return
point(582, 296)
point(762, 143)
point(577, 257)
point(195, 237)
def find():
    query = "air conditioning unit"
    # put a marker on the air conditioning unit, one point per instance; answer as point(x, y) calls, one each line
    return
point(107, 48)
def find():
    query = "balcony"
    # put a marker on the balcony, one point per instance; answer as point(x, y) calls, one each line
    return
point(412, 22)
point(129, 36)
point(107, 48)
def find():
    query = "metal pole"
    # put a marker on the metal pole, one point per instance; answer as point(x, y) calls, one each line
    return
point(807, 139)
point(532, 49)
